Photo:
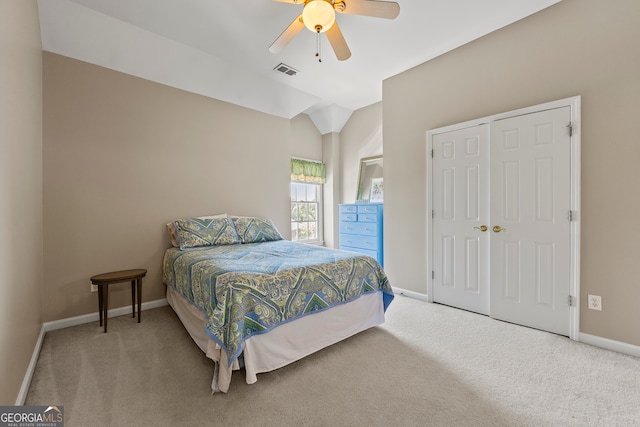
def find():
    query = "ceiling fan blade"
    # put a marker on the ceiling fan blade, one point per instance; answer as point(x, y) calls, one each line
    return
point(287, 35)
point(338, 43)
point(378, 9)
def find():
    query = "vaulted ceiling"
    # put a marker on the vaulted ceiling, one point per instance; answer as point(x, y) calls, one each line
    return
point(219, 48)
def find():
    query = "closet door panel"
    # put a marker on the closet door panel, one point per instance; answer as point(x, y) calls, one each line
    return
point(460, 185)
point(530, 203)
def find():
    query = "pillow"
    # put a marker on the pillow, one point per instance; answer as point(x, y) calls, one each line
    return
point(173, 233)
point(194, 232)
point(253, 230)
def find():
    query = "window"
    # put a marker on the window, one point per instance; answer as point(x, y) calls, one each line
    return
point(307, 178)
point(306, 212)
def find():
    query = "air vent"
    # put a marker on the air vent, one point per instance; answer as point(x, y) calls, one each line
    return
point(285, 69)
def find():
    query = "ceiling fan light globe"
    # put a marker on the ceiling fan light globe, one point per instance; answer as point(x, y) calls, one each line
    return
point(318, 15)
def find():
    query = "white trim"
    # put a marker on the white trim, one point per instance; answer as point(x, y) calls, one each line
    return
point(410, 294)
point(26, 382)
point(66, 323)
point(574, 280)
point(576, 189)
point(429, 174)
point(617, 346)
point(95, 317)
point(573, 102)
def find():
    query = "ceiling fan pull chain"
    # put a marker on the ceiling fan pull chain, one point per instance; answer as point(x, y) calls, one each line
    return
point(318, 46)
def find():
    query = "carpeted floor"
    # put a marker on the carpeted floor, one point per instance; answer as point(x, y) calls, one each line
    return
point(428, 365)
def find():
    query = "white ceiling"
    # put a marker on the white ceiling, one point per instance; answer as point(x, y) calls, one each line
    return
point(219, 48)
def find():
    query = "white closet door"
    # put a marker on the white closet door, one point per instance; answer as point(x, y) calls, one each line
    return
point(460, 193)
point(530, 202)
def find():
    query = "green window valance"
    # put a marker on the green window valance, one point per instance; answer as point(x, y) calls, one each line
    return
point(308, 171)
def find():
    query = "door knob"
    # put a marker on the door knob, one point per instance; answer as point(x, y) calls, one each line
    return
point(482, 228)
point(497, 229)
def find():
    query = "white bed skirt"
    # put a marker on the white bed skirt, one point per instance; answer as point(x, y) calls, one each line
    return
point(285, 344)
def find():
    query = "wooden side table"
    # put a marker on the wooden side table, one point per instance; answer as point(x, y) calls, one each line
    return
point(104, 280)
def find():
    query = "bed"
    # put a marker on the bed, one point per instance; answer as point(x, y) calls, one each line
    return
point(250, 298)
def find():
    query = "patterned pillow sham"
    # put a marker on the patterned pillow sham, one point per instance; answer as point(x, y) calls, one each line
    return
point(173, 233)
point(253, 230)
point(194, 232)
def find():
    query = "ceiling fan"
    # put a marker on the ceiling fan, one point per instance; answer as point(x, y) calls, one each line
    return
point(319, 16)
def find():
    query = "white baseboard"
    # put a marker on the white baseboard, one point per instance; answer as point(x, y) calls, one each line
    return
point(26, 382)
point(415, 295)
point(95, 317)
point(620, 347)
point(66, 323)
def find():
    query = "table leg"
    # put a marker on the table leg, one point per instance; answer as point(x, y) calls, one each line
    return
point(100, 302)
point(133, 298)
point(139, 297)
point(106, 306)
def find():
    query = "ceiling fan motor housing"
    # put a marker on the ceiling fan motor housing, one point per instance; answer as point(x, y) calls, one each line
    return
point(318, 15)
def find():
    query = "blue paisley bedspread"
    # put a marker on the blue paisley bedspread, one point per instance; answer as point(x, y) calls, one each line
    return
point(247, 289)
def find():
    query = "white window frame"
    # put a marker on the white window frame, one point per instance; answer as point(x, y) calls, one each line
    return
point(319, 218)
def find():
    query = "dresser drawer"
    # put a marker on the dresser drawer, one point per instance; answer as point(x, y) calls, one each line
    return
point(372, 209)
point(367, 217)
point(348, 217)
point(363, 228)
point(358, 241)
point(348, 209)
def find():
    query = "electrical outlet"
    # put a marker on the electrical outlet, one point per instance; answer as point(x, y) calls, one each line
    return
point(595, 302)
point(94, 288)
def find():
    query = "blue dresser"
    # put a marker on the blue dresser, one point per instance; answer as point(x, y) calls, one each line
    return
point(361, 229)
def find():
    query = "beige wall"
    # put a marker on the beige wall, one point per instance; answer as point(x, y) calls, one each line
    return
point(331, 189)
point(576, 47)
point(360, 137)
point(123, 156)
point(20, 191)
point(306, 141)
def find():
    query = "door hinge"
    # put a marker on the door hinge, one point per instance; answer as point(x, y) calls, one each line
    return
point(433, 274)
point(433, 214)
point(570, 301)
point(432, 153)
point(570, 127)
point(572, 216)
